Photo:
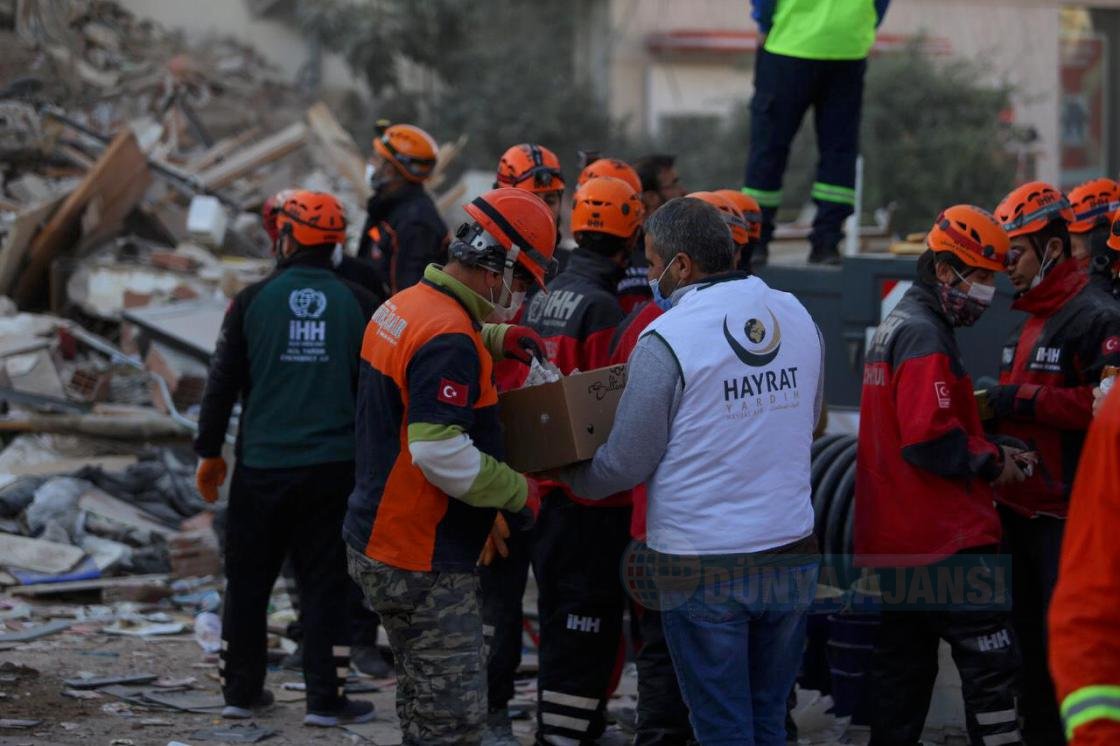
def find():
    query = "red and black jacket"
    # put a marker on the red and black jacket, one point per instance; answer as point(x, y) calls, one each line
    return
point(1048, 371)
point(633, 288)
point(402, 235)
point(924, 464)
point(578, 315)
point(577, 318)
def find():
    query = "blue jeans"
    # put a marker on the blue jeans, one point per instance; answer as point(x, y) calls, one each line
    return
point(736, 644)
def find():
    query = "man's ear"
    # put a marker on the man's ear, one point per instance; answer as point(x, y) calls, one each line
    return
point(687, 266)
point(1054, 249)
point(943, 272)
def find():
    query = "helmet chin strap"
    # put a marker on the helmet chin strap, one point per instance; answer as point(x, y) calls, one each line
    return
point(507, 277)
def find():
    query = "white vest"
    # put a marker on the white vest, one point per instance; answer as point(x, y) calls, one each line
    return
point(735, 475)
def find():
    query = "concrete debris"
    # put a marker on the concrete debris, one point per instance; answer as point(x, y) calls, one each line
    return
point(133, 166)
point(92, 682)
point(238, 733)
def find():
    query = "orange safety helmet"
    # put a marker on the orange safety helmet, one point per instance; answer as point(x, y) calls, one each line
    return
point(531, 167)
point(521, 224)
point(409, 148)
point(1030, 207)
point(1092, 203)
point(614, 168)
point(606, 205)
point(312, 218)
point(747, 205)
point(973, 235)
point(729, 212)
point(1114, 236)
point(270, 209)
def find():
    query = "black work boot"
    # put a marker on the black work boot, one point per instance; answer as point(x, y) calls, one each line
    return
point(825, 254)
point(367, 659)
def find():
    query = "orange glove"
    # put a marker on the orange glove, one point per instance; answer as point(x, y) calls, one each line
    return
point(495, 542)
point(210, 476)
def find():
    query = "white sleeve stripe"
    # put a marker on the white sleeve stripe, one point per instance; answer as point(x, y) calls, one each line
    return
point(451, 464)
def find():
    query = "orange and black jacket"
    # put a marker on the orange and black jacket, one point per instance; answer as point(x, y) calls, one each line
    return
point(402, 235)
point(1050, 366)
point(429, 474)
point(924, 464)
point(1084, 614)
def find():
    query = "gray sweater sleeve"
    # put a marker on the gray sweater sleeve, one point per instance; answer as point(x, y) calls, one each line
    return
point(641, 425)
point(818, 400)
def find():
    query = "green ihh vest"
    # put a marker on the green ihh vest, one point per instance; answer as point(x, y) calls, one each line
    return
point(823, 29)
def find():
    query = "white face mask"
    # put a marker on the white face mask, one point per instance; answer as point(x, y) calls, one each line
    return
point(502, 315)
point(982, 294)
point(1041, 274)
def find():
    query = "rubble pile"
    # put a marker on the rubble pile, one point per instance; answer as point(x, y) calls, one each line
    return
point(133, 164)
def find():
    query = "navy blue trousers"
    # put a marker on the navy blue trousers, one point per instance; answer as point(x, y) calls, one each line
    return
point(785, 89)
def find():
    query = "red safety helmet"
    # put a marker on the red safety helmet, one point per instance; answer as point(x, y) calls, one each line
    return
point(1029, 208)
point(513, 231)
point(531, 167)
point(606, 205)
point(410, 149)
point(614, 168)
point(729, 212)
point(747, 205)
point(973, 235)
point(312, 218)
point(1093, 202)
point(270, 209)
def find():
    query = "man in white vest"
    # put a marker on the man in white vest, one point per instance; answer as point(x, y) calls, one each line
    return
point(717, 419)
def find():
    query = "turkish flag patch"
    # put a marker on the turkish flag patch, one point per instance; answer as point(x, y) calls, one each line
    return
point(1111, 345)
point(452, 393)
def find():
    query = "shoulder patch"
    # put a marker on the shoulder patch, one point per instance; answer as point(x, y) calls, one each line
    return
point(944, 397)
point(453, 393)
point(1111, 345)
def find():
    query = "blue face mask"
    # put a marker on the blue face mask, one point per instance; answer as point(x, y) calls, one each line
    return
point(655, 286)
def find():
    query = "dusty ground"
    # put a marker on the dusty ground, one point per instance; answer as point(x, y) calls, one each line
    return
point(36, 693)
point(32, 674)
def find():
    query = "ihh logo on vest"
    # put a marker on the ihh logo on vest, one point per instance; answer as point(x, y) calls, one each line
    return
point(307, 335)
point(765, 390)
point(307, 303)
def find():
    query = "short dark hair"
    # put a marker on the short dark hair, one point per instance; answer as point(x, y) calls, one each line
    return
point(685, 225)
point(603, 244)
point(928, 261)
point(650, 166)
point(1056, 228)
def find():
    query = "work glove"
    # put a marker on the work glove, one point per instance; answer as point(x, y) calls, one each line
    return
point(522, 344)
point(496, 542)
point(1012, 401)
point(524, 519)
point(210, 476)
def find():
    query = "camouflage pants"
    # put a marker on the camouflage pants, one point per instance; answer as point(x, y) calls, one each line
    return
point(435, 629)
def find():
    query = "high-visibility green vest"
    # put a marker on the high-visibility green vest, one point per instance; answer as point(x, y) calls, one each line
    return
point(823, 29)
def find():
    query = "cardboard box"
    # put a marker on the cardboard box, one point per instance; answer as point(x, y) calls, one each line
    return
point(560, 423)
